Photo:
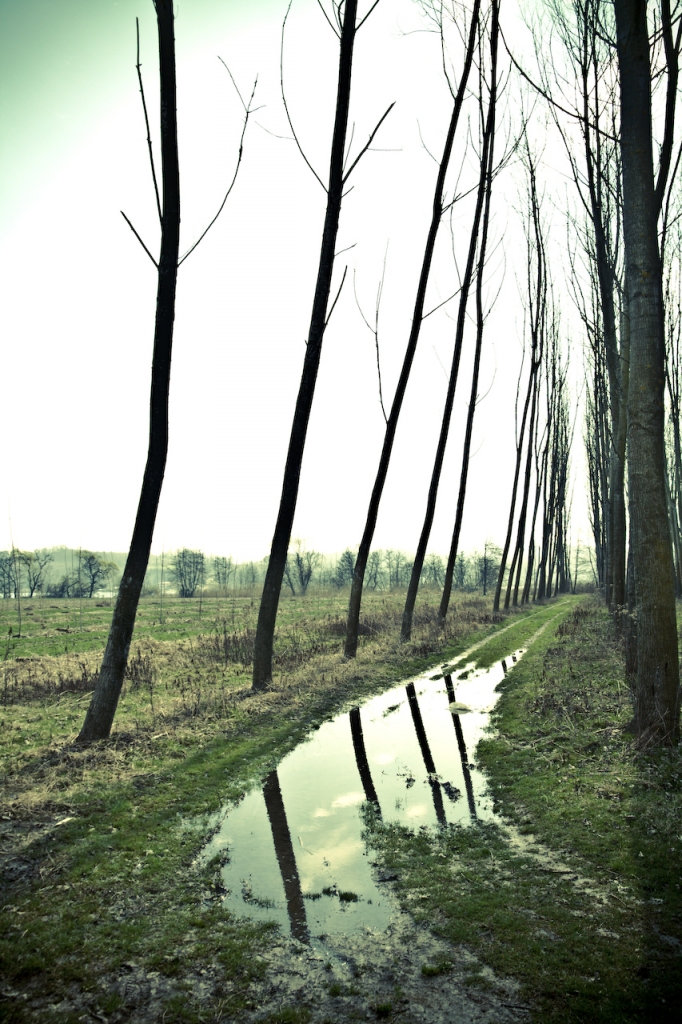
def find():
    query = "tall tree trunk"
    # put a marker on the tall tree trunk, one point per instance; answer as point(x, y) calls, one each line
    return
point(525, 596)
point(515, 487)
point(483, 196)
point(355, 601)
point(619, 518)
point(657, 686)
point(267, 615)
point(480, 322)
point(517, 560)
point(100, 715)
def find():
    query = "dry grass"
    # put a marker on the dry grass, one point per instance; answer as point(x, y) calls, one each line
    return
point(179, 695)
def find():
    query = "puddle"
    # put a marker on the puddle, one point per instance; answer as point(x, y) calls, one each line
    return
point(293, 851)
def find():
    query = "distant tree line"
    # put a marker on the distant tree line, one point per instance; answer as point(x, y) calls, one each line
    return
point(33, 573)
point(188, 570)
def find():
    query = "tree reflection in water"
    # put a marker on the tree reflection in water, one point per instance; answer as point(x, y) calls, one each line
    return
point(361, 759)
point(426, 754)
point(285, 857)
point(468, 784)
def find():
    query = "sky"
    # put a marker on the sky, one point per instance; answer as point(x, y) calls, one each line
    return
point(77, 315)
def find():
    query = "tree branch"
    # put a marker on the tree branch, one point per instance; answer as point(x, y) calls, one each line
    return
point(286, 106)
point(443, 303)
point(369, 143)
point(334, 30)
point(361, 23)
point(542, 92)
point(139, 239)
point(329, 315)
point(146, 121)
point(248, 111)
point(375, 330)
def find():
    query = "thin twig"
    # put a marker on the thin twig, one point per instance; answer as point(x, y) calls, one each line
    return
point(369, 143)
point(286, 106)
point(377, 308)
point(443, 303)
point(345, 271)
point(421, 139)
point(375, 330)
point(350, 146)
point(139, 240)
point(248, 112)
point(334, 30)
point(542, 92)
point(146, 121)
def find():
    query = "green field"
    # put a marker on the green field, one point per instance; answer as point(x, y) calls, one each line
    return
point(574, 898)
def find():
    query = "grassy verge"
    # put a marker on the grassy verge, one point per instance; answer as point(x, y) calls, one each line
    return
point(579, 899)
point(102, 907)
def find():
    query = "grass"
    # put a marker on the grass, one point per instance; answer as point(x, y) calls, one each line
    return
point(101, 892)
point(581, 901)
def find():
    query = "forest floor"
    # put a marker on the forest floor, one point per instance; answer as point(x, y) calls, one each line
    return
point(569, 909)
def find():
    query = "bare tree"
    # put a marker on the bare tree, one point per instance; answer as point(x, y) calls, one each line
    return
point(482, 203)
point(488, 566)
point(188, 571)
point(102, 708)
point(36, 564)
point(657, 707)
point(553, 572)
point(223, 571)
point(100, 714)
point(305, 564)
point(439, 204)
point(7, 574)
point(346, 28)
point(487, 182)
point(673, 376)
point(92, 572)
point(536, 300)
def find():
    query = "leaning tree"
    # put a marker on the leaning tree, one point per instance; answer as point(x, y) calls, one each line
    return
point(100, 714)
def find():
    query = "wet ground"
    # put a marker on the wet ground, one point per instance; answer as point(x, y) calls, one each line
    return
point(293, 851)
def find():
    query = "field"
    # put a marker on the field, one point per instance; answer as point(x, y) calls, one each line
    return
point(568, 910)
point(97, 862)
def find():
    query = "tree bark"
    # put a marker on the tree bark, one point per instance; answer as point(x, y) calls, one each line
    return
point(104, 701)
point(267, 615)
point(657, 681)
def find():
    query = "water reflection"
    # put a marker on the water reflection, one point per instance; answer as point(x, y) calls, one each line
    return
point(462, 748)
point(361, 759)
point(426, 754)
point(272, 794)
point(294, 851)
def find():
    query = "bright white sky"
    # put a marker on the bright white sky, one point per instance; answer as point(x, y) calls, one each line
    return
point(78, 291)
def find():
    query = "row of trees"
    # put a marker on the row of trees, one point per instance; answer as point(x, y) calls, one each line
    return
point(614, 70)
point(598, 91)
point(189, 570)
point(30, 572)
point(474, 105)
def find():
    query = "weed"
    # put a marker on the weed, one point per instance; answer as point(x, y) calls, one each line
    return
point(433, 970)
point(290, 1015)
